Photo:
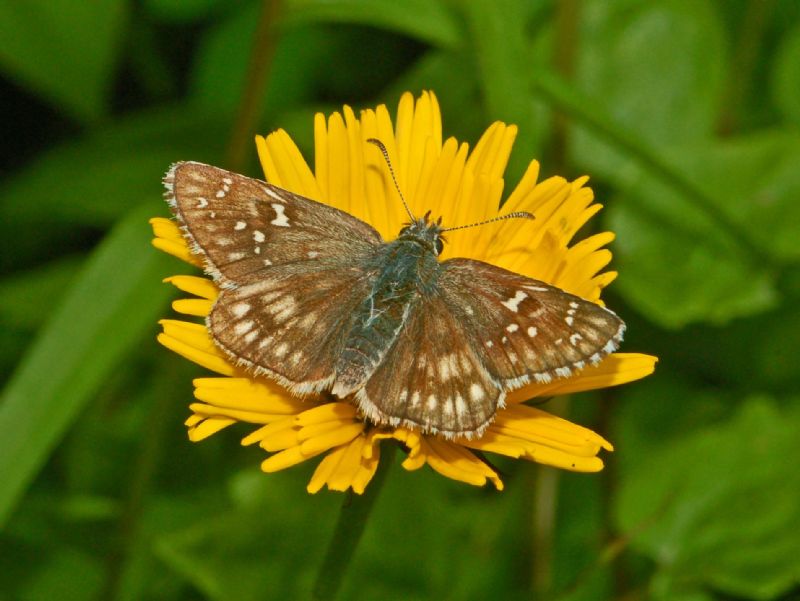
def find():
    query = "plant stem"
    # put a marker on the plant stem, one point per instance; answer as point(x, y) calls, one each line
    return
point(255, 85)
point(353, 517)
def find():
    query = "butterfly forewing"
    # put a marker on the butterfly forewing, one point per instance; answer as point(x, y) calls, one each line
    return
point(292, 270)
point(242, 225)
point(524, 329)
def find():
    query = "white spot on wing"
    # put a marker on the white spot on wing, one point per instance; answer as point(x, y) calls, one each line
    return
point(240, 225)
point(461, 406)
point(281, 220)
point(532, 332)
point(513, 303)
point(476, 393)
point(259, 236)
point(241, 309)
point(241, 328)
point(512, 328)
point(432, 402)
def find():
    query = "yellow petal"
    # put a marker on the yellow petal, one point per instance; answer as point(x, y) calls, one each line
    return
point(457, 463)
point(288, 458)
point(198, 307)
point(202, 287)
point(332, 438)
point(326, 413)
point(616, 369)
point(205, 357)
point(249, 394)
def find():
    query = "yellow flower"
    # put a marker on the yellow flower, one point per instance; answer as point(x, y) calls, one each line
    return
point(463, 187)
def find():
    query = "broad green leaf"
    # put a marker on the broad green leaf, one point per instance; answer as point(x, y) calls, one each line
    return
point(108, 310)
point(64, 51)
point(27, 298)
point(182, 11)
point(718, 507)
point(67, 574)
point(674, 278)
point(427, 20)
point(786, 76)
point(674, 265)
point(656, 67)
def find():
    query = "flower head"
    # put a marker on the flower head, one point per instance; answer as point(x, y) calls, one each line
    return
point(462, 187)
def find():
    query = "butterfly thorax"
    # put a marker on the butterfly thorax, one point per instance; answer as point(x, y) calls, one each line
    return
point(427, 234)
point(403, 271)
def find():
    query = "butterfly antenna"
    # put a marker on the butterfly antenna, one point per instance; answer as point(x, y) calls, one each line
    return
point(385, 153)
point(514, 215)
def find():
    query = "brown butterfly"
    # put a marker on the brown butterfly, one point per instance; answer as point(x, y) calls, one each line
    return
point(316, 299)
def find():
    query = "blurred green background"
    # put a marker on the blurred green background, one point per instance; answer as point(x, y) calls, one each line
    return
point(684, 112)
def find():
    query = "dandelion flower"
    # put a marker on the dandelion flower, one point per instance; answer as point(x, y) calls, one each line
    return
point(465, 187)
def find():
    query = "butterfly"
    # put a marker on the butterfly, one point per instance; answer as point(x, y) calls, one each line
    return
point(314, 298)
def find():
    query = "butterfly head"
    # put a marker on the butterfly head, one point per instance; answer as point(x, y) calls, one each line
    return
point(425, 232)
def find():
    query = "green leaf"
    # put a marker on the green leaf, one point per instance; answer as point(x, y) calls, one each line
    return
point(182, 11)
point(675, 267)
point(427, 20)
point(68, 574)
point(718, 508)
point(63, 50)
point(112, 304)
point(25, 299)
point(786, 76)
point(656, 67)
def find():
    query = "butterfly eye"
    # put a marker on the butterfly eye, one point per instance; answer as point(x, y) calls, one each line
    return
point(439, 246)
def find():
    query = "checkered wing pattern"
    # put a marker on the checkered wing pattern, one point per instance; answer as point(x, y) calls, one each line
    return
point(291, 271)
point(242, 225)
point(526, 330)
point(483, 332)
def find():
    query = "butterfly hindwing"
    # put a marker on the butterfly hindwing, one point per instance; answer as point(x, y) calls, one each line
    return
point(526, 330)
point(242, 225)
point(429, 379)
point(290, 324)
